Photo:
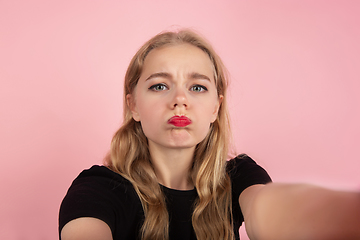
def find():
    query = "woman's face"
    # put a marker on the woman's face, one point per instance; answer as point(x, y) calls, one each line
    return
point(175, 99)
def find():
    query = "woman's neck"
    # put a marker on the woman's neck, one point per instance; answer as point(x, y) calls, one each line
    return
point(172, 166)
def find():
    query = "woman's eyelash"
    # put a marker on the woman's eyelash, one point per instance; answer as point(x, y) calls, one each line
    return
point(161, 87)
point(198, 88)
point(158, 87)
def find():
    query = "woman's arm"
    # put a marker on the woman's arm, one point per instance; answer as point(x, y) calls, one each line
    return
point(300, 211)
point(86, 228)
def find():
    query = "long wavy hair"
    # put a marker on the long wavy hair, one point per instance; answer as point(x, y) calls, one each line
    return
point(130, 156)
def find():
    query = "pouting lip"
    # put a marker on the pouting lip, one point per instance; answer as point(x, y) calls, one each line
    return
point(179, 121)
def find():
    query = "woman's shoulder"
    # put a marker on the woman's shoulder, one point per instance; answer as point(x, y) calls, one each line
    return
point(244, 172)
point(100, 175)
point(240, 161)
point(100, 181)
point(101, 172)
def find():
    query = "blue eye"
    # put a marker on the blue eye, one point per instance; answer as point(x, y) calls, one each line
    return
point(198, 88)
point(158, 87)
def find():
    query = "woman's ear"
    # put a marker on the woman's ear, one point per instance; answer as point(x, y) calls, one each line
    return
point(217, 107)
point(130, 101)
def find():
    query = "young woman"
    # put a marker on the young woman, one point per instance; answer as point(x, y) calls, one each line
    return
point(167, 174)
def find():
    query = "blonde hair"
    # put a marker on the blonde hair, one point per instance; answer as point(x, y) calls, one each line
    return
point(130, 157)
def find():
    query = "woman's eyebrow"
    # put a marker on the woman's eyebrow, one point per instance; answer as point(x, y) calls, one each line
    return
point(159, 74)
point(195, 75)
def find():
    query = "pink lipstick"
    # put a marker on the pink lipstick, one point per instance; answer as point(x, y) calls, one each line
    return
point(179, 121)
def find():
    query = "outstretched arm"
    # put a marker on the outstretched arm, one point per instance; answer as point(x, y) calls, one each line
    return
point(300, 211)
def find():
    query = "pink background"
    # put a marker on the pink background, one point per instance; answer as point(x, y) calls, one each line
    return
point(294, 96)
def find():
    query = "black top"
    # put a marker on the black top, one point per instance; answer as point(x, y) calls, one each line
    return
point(101, 193)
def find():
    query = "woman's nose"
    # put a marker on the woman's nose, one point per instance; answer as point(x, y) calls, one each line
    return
point(180, 99)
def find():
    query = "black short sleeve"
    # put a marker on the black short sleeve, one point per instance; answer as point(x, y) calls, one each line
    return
point(243, 172)
point(100, 193)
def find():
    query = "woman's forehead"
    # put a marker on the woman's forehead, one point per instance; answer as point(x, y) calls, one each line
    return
point(180, 56)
